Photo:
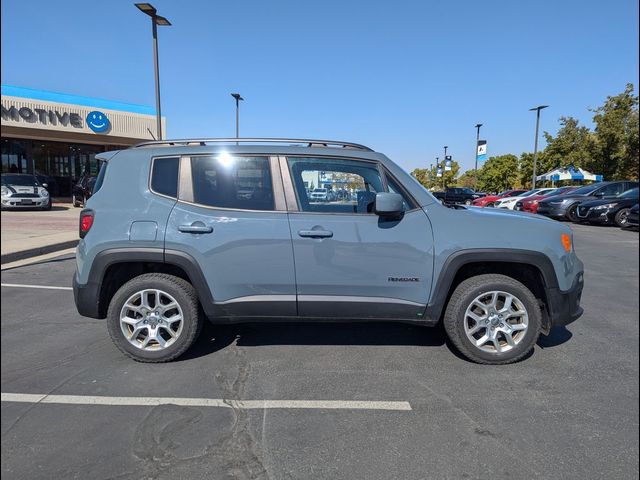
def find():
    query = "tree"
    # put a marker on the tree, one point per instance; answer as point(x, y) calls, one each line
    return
point(429, 179)
point(498, 173)
point(616, 136)
point(525, 170)
point(572, 145)
point(467, 179)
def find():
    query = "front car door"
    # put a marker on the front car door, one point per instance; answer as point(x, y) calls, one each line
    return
point(231, 220)
point(350, 262)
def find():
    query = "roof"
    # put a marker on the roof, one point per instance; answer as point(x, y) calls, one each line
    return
point(48, 96)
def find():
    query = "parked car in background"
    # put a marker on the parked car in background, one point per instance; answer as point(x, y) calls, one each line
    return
point(319, 195)
point(510, 202)
point(565, 207)
point(609, 211)
point(457, 195)
point(632, 218)
point(21, 190)
point(490, 200)
point(530, 204)
point(82, 190)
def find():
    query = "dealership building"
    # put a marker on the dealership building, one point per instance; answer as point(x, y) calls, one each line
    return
point(57, 136)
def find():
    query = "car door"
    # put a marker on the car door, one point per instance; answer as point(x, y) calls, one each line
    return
point(611, 190)
point(231, 220)
point(350, 262)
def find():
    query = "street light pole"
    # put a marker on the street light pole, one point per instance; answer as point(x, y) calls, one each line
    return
point(535, 147)
point(444, 163)
point(238, 98)
point(156, 20)
point(475, 170)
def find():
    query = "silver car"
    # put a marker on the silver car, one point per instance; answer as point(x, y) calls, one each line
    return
point(24, 191)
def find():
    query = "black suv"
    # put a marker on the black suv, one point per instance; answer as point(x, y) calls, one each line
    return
point(566, 206)
point(458, 195)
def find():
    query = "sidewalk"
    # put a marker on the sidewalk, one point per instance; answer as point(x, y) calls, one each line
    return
point(30, 233)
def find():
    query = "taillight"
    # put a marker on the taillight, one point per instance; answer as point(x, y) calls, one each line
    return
point(86, 221)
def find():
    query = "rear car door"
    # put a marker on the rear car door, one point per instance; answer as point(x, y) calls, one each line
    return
point(350, 262)
point(231, 220)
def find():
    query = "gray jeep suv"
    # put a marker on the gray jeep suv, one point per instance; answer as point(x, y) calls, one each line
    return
point(226, 229)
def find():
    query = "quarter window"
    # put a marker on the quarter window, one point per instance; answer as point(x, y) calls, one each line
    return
point(226, 181)
point(164, 177)
point(335, 185)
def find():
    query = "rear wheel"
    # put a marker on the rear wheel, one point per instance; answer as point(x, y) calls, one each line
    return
point(467, 202)
point(621, 218)
point(154, 317)
point(493, 319)
point(75, 201)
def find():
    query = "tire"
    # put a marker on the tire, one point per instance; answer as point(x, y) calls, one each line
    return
point(621, 217)
point(180, 291)
point(455, 320)
point(572, 213)
point(467, 202)
point(75, 201)
point(48, 206)
point(490, 204)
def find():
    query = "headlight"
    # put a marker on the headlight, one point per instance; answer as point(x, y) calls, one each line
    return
point(5, 192)
point(43, 192)
point(608, 206)
point(535, 202)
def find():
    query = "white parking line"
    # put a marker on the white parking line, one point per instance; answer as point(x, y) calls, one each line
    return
point(46, 287)
point(206, 402)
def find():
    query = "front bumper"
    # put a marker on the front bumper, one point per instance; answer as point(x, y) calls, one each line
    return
point(87, 298)
point(563, 307)
point(20, 203)
point(595, 216)
point(552, 211)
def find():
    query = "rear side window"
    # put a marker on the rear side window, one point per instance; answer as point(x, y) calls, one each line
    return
point(100, 178)
point(164, 176)
point(227, 181)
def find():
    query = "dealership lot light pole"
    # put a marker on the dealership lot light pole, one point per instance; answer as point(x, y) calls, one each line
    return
point(535, 146)
point(156, 20)
point(475, 170)
point(239, 99)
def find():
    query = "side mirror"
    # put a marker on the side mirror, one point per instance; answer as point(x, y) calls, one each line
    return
point(45, 185)
point(388, 204)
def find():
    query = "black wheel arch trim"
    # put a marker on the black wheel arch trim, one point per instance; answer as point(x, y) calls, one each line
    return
point(88, 295)
point(459, 259)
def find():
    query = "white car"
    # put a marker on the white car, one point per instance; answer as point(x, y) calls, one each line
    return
point(24, 191)
point(510, 202)
point(319, 195)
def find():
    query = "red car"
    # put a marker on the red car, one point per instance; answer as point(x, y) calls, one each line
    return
point(489, 200)
point(530, 204)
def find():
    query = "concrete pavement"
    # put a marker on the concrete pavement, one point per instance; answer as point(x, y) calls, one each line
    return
point(28, 233)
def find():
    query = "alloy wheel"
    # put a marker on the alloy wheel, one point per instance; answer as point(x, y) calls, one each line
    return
point(151, 320)
point(496, 322)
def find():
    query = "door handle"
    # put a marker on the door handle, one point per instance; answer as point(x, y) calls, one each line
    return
point(315, 233)
point(195, 227)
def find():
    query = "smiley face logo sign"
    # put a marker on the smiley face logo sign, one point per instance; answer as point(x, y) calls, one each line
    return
point(98, 122)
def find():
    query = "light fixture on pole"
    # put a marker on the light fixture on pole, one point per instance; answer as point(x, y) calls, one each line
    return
point(535, 147)
point(238, 98)
point(156, 20)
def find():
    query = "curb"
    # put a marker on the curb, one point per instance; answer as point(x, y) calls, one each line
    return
point(34, 252)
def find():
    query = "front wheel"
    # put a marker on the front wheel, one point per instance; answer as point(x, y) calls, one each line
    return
point(75, 201)
point(467, 202)
point(572, 213)
point(493, 319)
point(621, 218)
point(154, 317)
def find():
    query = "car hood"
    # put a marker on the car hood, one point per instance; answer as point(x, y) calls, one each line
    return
point(21, 188)
point(559, 198)
point(605, 201)
point(499, 213)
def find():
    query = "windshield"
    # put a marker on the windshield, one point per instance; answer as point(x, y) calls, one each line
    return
point(586, 189)
point(20, 180)
point(467, 190)
point(633, 193)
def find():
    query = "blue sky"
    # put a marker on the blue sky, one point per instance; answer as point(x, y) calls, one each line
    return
point(405, 77)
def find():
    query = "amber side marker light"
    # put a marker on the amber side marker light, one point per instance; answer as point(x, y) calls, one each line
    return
point(566, 242)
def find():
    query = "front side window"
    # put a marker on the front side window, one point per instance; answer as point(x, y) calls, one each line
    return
point(164, 176)
point(335, 185)
point(226, 181)
point(612, 189)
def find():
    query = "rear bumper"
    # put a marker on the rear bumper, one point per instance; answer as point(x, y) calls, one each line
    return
point(87, 298)
point(632, 220)
point(563, 307)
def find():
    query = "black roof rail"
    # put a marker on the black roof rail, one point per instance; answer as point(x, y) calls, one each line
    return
point(206, 141)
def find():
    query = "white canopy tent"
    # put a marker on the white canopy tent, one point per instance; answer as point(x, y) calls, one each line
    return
point(568, 173)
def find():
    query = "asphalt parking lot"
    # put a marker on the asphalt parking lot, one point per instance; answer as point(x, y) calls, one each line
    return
point(568, 411)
